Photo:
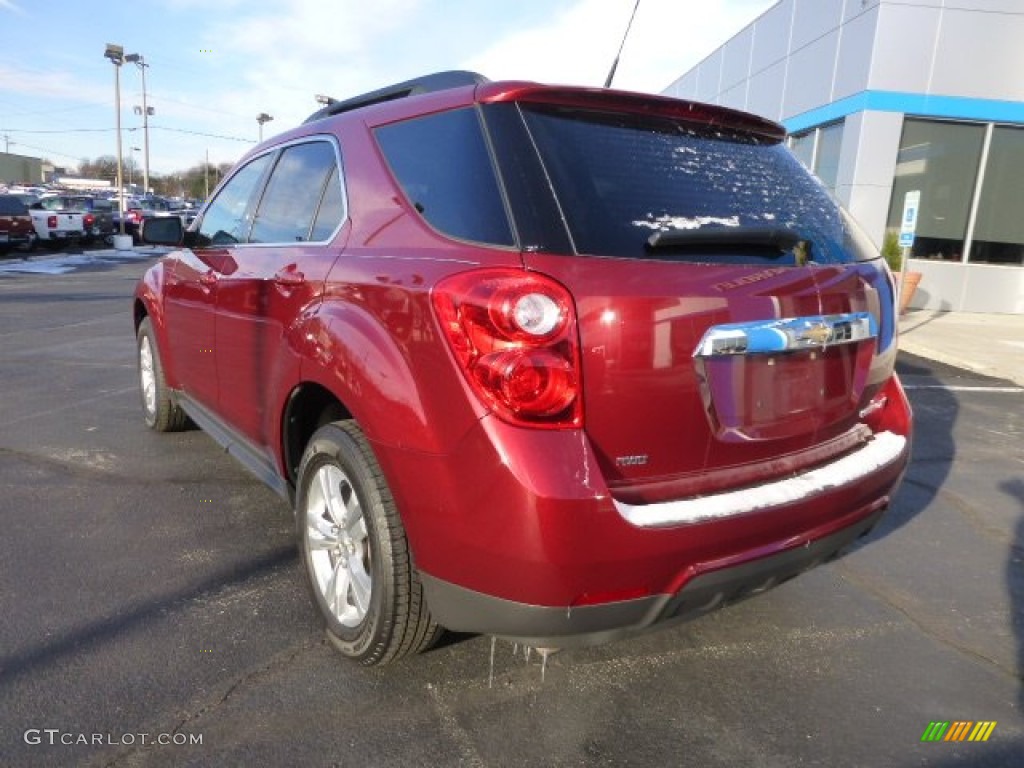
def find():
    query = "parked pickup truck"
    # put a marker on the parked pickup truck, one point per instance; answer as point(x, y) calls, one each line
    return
point(98, 213)
point(15, 224)
point(56, 227)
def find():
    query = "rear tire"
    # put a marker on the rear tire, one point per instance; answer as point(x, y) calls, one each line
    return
point(160, 412)
point(355, 553)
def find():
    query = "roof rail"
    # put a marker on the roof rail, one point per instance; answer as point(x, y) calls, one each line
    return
point(439, 81)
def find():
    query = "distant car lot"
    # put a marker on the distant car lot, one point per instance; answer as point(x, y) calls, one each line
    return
point(151, 587)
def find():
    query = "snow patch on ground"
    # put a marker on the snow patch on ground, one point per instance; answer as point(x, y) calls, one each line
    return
point(62, 263)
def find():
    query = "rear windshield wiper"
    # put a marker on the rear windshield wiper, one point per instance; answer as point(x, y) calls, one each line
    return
point(777, 238)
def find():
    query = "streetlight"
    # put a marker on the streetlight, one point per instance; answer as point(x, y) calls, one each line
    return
point(262, 118)
point(137, 60)
point(131, 168)
point(116, 55)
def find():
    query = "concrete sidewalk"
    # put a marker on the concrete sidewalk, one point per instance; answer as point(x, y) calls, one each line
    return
point(989, 344)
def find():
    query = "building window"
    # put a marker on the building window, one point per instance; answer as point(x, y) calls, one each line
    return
point(818, 149)
point(941, 160)
point(998, 236)
point(826, 157)
point(802, 145)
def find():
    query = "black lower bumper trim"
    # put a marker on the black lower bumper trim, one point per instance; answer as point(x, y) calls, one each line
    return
point(464, 610)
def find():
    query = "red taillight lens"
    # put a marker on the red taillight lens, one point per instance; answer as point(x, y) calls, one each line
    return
point(889, 410)
point(514, 336)
point(51, 222)
point(88, 220)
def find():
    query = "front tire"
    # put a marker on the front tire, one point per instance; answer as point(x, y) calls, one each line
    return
point(355, 553)
point(160, 412)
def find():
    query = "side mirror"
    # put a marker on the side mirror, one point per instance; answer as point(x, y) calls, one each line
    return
point(166, 230)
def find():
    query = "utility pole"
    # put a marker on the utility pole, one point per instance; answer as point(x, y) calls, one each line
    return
point(140, 62)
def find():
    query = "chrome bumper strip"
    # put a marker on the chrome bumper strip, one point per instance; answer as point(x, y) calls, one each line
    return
point(883, 449)
point(786, 334)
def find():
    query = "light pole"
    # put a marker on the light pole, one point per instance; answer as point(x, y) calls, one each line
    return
point(262, 118)
point(131, 168)
point(137, 60)
point(116, 55)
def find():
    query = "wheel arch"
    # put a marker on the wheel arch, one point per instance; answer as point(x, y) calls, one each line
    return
point(402, 392)
point(308, 407)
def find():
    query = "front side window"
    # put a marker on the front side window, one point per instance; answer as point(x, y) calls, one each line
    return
point(228, 218)
point(292, 199)
point(442, 165)
point(637, 186)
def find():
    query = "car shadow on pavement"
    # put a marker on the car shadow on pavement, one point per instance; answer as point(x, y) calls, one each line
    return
point(933, 448)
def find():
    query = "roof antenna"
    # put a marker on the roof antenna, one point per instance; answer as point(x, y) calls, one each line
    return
point(615, 64)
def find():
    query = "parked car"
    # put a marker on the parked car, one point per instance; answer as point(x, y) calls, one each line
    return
point(555, 364)
point(15, 224)
point(97, 213)
point(139, 209)
point(56, 226)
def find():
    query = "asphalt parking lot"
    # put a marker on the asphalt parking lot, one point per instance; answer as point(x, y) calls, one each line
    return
point(150, 592)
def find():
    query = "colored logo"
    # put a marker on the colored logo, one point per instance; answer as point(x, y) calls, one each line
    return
point(958, 730)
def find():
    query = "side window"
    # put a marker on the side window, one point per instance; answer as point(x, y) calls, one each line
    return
point(445, 170)
point(332, 209)
point(228, 218)
point(286, 212)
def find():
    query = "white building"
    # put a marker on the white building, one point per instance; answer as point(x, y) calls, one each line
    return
point(882, 97)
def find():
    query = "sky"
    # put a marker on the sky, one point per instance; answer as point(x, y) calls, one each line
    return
point(213, 65)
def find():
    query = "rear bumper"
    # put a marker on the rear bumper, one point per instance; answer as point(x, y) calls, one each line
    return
point(455, 606)
point(508, 554)
point(516, 534)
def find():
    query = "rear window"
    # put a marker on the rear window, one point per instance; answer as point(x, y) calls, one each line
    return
point(712, 196)
point(12, 206)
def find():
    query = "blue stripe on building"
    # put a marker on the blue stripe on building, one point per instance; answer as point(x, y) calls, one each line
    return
point(917, 104)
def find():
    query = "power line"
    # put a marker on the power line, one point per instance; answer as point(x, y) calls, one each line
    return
point(109, 130)
point(200, 133)
point(61, 130)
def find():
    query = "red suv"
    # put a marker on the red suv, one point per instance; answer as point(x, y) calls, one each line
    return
point(549, 363)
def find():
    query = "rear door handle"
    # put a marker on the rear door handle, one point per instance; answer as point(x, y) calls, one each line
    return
point(289, 278)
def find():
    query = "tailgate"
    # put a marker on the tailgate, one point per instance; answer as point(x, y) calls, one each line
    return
point(730, 314)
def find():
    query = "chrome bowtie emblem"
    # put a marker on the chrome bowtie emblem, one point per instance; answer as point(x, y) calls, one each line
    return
point(819, 333)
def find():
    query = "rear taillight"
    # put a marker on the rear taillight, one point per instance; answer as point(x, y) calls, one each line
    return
point(889, 410)
point(514, 336)
point(51, 222)
point(88, 220)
